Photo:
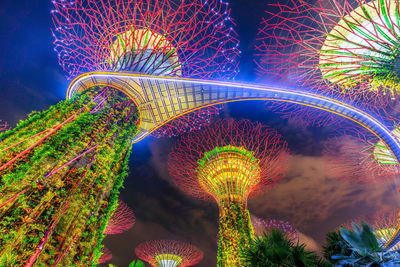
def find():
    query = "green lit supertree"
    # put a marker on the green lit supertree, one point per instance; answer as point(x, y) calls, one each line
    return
point(61, 169)
point(229, 162)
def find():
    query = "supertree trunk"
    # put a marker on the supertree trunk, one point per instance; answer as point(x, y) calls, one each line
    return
point(60, 174)
point(235, 234)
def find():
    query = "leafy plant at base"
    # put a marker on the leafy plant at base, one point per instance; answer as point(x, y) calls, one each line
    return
point(365, 248)
point(274, 249)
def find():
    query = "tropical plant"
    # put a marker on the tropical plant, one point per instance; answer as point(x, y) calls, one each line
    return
point(275, 249)
point(335, 245)
point(365, 249)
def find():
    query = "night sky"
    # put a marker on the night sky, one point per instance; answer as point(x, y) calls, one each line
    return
point(308, 197)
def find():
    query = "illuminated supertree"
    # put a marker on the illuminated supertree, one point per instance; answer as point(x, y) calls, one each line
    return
point(228, 163)
point(360, 157)
point(3, 126)
point(385, 225)
point(61, 169)
point(121, 220)
point(168, 253)
point(171, 38)
point(105, 255)
point(348, 46)
point(262, 226)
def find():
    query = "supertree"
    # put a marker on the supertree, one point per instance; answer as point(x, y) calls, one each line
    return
point(151, 37)
point(168, 253)
point(3, 126)
point(385, 224)
point(229, 162)
point(61, 169)
point(359, 157)
point(347, 46)
point(121, 220)
point(105, 255)
point(262, 226)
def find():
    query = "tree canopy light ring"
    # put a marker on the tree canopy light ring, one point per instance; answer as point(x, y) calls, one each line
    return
point(229, 172)
point(364, 45)
point(345, 47)
point(142, 50)
point(168, 253)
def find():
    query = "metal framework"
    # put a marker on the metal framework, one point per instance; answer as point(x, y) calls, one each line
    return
point(168, 253)
point(348, 46)
point(121, 220)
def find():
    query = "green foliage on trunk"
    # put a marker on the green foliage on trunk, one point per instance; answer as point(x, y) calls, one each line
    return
point(63, 171)
point(235, 234)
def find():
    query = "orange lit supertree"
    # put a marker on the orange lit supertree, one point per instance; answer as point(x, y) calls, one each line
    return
point(262, 226)
point(228, 163)
point(121, 220)
point(168, 253)
point(61, 169)
point(168, 38)
point(105, 255)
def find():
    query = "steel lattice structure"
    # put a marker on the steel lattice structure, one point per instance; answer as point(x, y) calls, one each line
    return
point(258, 154)
point(347, 46)
point(105, 255)
point(3, 126)
point(385, 224)
point(121, 220)
point(229, 162)
point(162, 37)
point(360, 157)
point(168, 253)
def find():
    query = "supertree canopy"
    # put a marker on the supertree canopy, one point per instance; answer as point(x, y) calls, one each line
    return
point(359, 157)
point(385, 224)
point(105, 255)
point(121, 220)
point(229, 162)
point(3, 126)
point(262, 226)
point(348, 46)
point(61, 169)
point(168, 253)
point(162, 37)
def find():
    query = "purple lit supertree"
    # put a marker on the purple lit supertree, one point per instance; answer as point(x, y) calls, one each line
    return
point(168, 253)
point(172, 38)
point(347, 46)
point(62, 168)
point(229, 162)
point(262, 226)
point(121, 220)
point(105, 255)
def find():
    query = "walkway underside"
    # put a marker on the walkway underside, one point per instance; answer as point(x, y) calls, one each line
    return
point(161, 99)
